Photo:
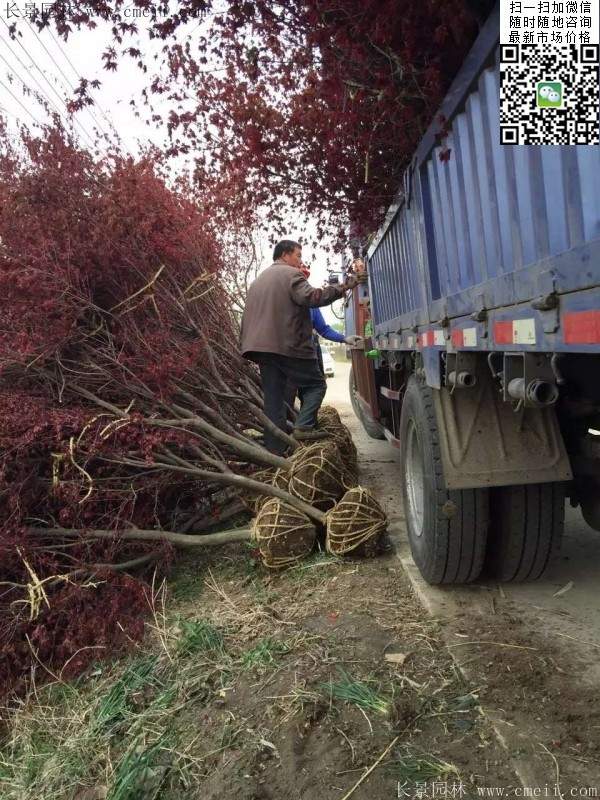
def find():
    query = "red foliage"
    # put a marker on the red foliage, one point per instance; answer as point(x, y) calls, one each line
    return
point(109, 280)
point(77, 234)
point(84, 623)
point(316, 104)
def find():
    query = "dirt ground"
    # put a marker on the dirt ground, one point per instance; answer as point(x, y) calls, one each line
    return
point(537, 671)
point(336, 623)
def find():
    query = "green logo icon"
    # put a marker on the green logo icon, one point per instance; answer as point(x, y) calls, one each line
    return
point(549, 94)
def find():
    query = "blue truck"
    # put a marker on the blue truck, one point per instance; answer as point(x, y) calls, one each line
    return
point(482, 358)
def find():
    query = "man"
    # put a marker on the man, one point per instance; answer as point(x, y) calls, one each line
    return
point(325, 330)
point(277, 334)
point(321, 328)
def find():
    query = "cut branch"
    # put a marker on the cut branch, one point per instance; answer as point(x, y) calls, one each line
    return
point(180, 540)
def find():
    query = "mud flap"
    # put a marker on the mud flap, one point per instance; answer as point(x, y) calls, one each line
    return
point(484, 442)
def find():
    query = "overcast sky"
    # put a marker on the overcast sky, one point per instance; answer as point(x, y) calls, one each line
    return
point(44, 64)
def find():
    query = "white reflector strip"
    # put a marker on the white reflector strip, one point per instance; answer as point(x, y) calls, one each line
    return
point(470, 337)
point(523, 331)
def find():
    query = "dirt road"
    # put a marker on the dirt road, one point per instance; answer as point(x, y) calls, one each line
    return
point(540, 674)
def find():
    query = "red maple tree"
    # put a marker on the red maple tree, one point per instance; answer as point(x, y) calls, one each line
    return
point(315, 105)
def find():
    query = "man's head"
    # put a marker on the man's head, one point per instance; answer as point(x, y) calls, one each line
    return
point(289, 252)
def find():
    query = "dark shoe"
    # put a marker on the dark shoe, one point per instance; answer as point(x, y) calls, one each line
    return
point(308, 434)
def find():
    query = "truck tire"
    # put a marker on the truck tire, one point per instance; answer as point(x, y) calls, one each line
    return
point(526, 529)
point(373, 428)
point(447, 529)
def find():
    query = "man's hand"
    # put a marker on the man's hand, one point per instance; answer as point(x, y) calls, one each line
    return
point(354, 280)
point(353, 341)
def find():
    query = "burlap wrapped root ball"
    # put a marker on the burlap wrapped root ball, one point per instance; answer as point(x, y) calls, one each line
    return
point(318, 475)
point(356, 525)
point(331, 423)
point(342, 438)
point(282, 534)
point(270, 476)
point(281, 479)
point(328, 415)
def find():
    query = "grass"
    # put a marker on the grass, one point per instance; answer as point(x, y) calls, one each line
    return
point(260, 592)
point(358, 693)
point(186, 586)
point(139, 676)
point(139, 775)
point(310, 567)
point(198, 636)
point(412, 768)
point(50, 745)
point(111, 730)
point(264, 653)
point(299, 700)
point(229, 734)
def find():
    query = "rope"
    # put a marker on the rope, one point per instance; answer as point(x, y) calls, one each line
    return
point(274, 477)
point(318, 476)
point(357, 519)
point(283, 535)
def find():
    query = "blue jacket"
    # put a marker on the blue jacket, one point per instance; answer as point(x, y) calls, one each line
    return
point(322, 328)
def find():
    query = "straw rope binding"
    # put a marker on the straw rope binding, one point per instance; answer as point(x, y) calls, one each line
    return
point(357, 521)
point(318, 476)
point(283, 534)
point(274, 477)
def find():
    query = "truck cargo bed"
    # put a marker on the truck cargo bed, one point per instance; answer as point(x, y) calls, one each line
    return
point(493, 246)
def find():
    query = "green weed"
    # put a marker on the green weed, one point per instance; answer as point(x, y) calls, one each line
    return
point(198, 636)
point(419, 768)
point(358, 693)
point(264, 653)
point(139, 774)
point(311, 567)
point(187, 586)
point(138, 676)
point(50, 746)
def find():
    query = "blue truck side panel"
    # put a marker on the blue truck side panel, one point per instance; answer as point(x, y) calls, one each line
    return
point(492, 227)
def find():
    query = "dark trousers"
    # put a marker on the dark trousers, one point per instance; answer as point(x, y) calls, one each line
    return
point(275, 372)
point(291, 390)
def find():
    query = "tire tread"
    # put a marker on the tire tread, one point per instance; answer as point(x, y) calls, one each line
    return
point(459, 542)
point(527, 530)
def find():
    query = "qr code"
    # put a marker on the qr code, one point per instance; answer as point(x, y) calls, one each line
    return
point(549, 94)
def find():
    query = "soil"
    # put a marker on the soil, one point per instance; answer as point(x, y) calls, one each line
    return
point(288, 737)
point(535, 662)
point(537, 693)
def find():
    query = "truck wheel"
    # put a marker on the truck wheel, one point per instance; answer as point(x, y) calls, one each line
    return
point(373, 428)
point(526, 529)
point(447, 529)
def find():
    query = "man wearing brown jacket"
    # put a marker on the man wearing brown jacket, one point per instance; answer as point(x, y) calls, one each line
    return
point(277, 335)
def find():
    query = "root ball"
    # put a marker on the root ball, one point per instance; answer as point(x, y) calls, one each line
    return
point(356, 524)
point(283, 534)
point(318, 476)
